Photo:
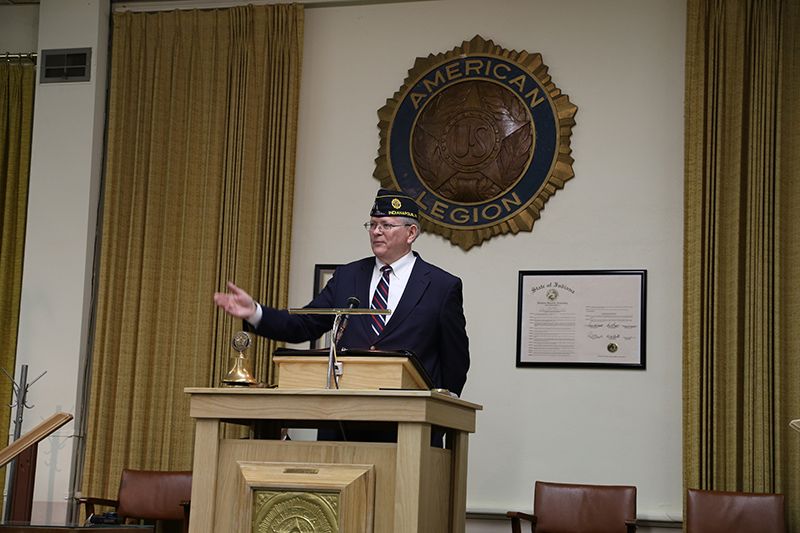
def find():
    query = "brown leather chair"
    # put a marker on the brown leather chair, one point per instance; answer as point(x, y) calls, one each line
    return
point(566, 508)
point(149, 495)
point(711, 511)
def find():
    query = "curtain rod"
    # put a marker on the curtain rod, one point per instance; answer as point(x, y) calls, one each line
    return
point(169, 5)
point(31, 56)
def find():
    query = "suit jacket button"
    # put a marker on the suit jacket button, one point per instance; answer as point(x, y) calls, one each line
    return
point(372, 347)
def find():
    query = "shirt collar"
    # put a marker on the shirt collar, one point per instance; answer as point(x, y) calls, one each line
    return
point(400, 268)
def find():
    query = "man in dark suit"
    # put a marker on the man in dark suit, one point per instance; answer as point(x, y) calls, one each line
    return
point(427, 315)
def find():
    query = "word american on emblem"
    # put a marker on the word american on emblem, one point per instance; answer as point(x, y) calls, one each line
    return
point(480, 138)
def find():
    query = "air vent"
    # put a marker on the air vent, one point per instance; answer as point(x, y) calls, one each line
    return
point(69, 64)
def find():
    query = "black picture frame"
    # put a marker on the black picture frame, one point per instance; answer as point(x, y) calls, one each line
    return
point(582, 319)
point(322, 273)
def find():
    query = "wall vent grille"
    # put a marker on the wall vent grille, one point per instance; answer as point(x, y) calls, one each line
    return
point(65, 65)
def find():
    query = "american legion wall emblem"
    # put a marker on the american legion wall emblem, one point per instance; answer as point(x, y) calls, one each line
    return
point(480, 138)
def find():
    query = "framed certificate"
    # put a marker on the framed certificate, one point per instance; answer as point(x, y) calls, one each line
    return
point(581, 318)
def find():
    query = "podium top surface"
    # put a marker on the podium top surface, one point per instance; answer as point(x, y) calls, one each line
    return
point(245, 403)
point(384, 393)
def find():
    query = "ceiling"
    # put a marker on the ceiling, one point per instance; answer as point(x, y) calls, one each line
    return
point(10, 2)
point(308, 3)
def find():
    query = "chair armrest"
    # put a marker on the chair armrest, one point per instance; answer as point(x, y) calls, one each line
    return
point(631, 525)
point(91, 502)
point(516, 516)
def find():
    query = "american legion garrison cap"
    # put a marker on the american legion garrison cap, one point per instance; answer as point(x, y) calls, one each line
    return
point(394, 204)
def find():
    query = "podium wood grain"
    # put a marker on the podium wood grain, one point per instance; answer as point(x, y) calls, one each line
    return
point(418, 488)
point(358, 373)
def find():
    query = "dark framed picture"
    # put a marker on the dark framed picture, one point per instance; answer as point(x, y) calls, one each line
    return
point(581, 318)
point(322, 273)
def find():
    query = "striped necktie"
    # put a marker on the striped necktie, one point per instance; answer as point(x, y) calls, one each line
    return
point(380, 300)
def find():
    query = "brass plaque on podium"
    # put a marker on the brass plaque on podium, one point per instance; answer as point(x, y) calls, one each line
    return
point(295, 512)
point(305, 497)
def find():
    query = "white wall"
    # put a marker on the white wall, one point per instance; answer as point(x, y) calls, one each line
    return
point(620, 62)
point(59, 248)
point(18, 28)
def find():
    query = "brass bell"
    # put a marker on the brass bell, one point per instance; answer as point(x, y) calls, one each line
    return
point(239, 365)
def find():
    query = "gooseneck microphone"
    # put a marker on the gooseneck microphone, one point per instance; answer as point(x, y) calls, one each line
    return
point(352, 303)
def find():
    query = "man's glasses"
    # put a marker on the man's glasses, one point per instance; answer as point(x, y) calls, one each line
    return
point(385, 228)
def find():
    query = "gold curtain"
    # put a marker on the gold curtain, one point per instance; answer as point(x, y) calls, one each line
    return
point(742, 248)
point(17, 86)
point(198, 191)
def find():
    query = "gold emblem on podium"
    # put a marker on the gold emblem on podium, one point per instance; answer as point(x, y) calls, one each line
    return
point(295, 512)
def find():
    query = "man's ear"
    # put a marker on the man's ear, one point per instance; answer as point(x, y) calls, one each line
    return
point(413, 233)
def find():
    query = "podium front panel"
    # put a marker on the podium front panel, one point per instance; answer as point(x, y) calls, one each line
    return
point(403, 487)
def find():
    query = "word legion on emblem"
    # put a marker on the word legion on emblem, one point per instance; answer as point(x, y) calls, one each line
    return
point(464, 215)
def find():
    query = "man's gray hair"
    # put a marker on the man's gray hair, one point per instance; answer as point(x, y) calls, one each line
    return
point(413, 222)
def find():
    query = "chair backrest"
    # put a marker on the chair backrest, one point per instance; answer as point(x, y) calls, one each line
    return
point(154, 495)
point(565, 507)
point(711, 511)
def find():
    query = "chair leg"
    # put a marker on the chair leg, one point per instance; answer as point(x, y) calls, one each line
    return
point(187, 505)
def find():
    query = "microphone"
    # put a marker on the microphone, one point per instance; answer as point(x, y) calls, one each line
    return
point(352, 303)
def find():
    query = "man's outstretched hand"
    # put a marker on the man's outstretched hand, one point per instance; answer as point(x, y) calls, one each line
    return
point(236, 303)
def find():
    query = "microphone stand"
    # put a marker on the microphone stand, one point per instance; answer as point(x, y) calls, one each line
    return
point(333, 369)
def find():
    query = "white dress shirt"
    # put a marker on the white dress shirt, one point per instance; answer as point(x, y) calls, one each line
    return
point(398, 279)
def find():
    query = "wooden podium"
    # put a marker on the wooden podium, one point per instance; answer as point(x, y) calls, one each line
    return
point(361, 370)
point(240, 485)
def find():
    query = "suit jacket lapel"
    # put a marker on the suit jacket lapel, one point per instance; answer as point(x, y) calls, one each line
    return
point(361, 290)
point(417, 284)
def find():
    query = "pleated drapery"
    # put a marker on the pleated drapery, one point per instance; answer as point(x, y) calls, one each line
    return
point(742, 248)
point(198, 191)
point(17, 88)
